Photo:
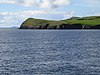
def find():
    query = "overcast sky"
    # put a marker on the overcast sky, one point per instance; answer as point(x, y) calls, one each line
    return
point(14, 12)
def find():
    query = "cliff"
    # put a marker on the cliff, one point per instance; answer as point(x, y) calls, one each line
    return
point(92, 22)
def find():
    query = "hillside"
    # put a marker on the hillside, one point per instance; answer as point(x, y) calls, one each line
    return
point(91, 22)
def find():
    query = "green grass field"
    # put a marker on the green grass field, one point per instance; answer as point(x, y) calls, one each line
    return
point(38, 22)
point(91, 21)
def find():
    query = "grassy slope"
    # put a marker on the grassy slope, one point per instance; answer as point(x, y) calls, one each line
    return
point(91, 21)
point(38, 22)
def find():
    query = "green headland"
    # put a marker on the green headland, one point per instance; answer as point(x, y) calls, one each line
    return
point(91, 22)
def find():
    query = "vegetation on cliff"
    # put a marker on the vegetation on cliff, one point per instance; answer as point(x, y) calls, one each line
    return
point(92, 22)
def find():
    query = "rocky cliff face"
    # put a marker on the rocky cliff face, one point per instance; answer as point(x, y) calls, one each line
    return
point(46, 24)
point(92, 27)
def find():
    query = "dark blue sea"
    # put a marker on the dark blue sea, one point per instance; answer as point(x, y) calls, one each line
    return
point(49, 52)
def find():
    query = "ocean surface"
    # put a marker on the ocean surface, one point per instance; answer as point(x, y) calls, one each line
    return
point(49, 52)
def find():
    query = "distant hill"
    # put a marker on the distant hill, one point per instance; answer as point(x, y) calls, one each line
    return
point(91, 22)
point(14, 27)
point(73, 18)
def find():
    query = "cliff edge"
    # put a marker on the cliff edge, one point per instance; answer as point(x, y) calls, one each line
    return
point(91, 22)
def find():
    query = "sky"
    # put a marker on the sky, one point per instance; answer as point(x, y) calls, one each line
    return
point(14, 12)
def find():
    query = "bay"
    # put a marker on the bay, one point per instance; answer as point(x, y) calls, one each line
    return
point(49, 52)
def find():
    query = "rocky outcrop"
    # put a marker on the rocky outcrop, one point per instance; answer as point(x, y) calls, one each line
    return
point(92, 27)
point(72, 26)
point(62, 26)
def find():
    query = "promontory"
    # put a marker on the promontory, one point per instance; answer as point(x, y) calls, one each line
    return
point(91, 22)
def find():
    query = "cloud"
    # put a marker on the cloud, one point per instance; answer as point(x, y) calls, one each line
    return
point(27, 2)
point(39, 3)
point(54, 3)
point(20, 2)
point(69, 14)
point(62, 2)
point(16, 18)
point(8, 1)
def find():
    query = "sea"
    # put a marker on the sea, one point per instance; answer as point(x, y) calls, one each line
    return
point(49, 52)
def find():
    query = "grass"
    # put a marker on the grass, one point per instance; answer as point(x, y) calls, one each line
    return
point(90, 21)
point(38, 22)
